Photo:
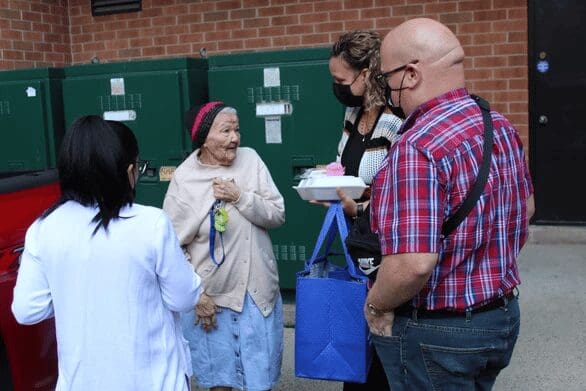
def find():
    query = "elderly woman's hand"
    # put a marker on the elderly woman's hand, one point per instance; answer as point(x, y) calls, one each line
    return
point(225, 190)
point(205, 313)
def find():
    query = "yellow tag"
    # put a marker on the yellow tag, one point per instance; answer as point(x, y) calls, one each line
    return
point(166, 173)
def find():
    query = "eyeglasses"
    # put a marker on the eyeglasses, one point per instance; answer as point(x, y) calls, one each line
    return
point(142, 166)
point(381, 78)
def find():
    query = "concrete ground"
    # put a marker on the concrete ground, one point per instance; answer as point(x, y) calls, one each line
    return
point(550, 352)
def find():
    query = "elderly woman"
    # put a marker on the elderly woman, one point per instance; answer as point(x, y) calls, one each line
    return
point(221, 201)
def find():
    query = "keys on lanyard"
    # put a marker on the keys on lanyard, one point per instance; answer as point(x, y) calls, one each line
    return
point(218, 223)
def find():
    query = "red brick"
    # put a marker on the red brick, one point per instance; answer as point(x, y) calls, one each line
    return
point(511, 73)
point(348, 4)
point(440, 8)
point(518, 60)
point(381, 12)
point(152, 13)
point(116, 25)
point(257, 43)
point(92, 28)
point(202, 27)
point(104, 36)
point(128, 53)
point(141, 42)
point(139, 23)
point(244, 34)
point(478, 50)
point(460, 17)
point(490, 15)
point(384, 25)
point(322, 6)
point(517, 36)
point(271, 11)
point(231, 45)
point(118, 44)
point(315, 18)
point(166, 40)
point(178, 49)
point(256, 22)
point(489, 38)
point(190, 38)
point(299, 9)
point(271, 31)
point(510, 25)
point(408, 10)
point(32, 16)
point(255, 3)
point(215, 16)
point(32, 35)
point(243, 13)
point(43, 47)
point(342, 15)
point(127, 34)
point(81, 38)
point(228, 5)
point(177, 29)
point(152, 31)
point(12, 35)
point(478, 74)
point(217, 36)
point(164, 21)
point(20, 25)
point(328, 27)
point(10, 14)
point(476, 27)
point(315, 39)
point(13, 54)
point(188, 19)
point(284, 20)
point(490, 62)
point(22, 45)
point(33, 56)
point(358, 25)
point(511, 48)
point(44, 8)
point(176, 10)
point(229, 25)
point(517, 13)
point(93, 46)
point(286, 41)
point(300, 29)
point(509, 3)
point(518, 84)
point(475, 5)
point(153, 51)
point(20, 5)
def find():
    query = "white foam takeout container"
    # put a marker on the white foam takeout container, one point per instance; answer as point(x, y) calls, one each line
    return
point(318, 186)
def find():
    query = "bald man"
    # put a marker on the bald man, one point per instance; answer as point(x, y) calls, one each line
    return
point(443, 311)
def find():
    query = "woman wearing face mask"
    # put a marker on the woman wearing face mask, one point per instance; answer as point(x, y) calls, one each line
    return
point(369, 129)
point(111, 272)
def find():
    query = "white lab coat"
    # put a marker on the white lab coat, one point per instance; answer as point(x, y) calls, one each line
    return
point(115, 297)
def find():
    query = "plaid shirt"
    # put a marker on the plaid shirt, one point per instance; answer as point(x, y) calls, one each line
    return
point(425, 178)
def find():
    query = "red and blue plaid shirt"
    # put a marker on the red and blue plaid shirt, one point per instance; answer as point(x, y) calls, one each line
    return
point(425, 178)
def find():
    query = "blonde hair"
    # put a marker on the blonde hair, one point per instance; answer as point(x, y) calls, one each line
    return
point(361, 49)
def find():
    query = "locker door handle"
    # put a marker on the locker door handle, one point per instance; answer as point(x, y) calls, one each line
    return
point(543, 119)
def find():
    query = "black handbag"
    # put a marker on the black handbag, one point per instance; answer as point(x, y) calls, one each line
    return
point(363, 244)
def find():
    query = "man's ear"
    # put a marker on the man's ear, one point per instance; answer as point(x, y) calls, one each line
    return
point(413, 76)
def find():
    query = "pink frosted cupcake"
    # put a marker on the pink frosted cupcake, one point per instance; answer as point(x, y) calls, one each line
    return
point(334, 169)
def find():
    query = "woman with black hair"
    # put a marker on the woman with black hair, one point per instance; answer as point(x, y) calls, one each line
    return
point(111, 272)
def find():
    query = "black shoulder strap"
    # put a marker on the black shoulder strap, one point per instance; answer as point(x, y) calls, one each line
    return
point(453, 222)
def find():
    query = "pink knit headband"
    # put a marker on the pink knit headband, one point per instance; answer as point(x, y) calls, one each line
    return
point(205, 109)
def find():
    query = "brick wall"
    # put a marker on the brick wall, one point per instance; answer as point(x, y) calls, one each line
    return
point(493, 32)
point(34, 34)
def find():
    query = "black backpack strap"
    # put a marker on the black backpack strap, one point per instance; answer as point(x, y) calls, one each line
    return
point(453, 222)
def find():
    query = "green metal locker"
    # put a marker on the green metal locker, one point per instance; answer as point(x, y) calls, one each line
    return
point(289, 115)
point(31, 118)
point(151, 98)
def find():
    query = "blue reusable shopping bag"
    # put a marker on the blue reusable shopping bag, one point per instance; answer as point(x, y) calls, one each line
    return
point(331, 334)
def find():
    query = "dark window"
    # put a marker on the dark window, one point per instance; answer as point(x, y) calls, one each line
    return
point(107, 7)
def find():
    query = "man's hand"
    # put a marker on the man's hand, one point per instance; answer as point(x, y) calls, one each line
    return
point(205, 312)
point(380, 323)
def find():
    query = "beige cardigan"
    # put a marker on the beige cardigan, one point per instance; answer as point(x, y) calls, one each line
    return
point(250, 263)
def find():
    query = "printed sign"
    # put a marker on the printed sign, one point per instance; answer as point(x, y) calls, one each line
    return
point(166, 173)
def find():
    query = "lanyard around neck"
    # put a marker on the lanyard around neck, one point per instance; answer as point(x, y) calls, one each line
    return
point(213, 235)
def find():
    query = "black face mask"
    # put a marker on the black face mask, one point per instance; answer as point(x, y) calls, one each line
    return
point(344, 94)
point(396, 110)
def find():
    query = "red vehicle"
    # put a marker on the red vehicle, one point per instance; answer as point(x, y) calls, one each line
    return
point(28, 354)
